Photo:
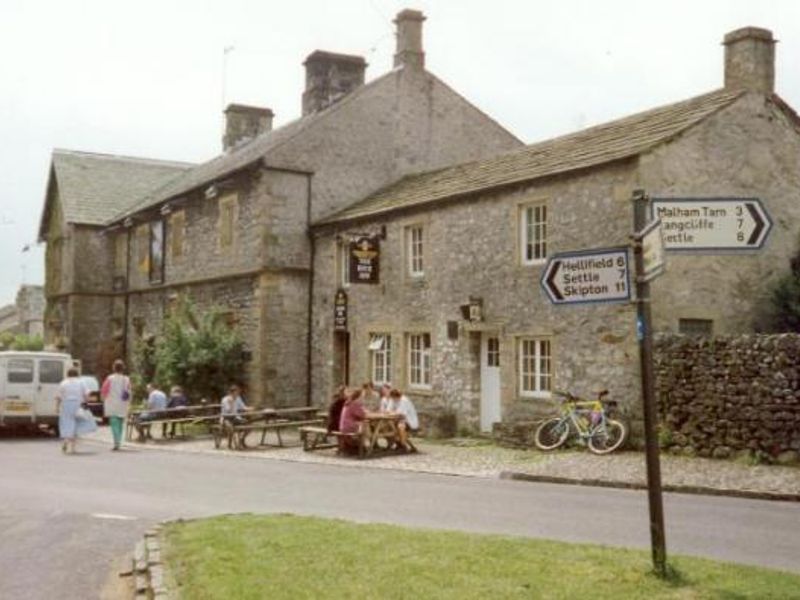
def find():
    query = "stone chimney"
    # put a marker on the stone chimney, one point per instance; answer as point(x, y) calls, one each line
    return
point(750, 60)
point(329, 77)
point(243, 123)
point(409, 39)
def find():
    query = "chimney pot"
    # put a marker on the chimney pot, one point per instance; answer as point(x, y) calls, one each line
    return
point(750, 60)
point(244, 123)
point(409, 39)
point(329, 77)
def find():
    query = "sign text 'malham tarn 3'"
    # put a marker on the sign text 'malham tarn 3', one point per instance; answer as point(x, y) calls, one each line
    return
point(712, 223)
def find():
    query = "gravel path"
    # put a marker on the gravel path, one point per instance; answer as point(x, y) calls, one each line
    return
point(476, 458)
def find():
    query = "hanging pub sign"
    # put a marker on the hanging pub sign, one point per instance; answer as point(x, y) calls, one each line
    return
point(364, 260)
point(340, 311)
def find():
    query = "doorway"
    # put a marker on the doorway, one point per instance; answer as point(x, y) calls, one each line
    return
point(341, 358)
point(490, 381)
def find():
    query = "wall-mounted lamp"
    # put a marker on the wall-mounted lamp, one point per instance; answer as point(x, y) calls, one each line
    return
point(211, 192)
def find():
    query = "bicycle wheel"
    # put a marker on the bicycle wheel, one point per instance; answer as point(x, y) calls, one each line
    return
point(551, 434)
point(607, 437)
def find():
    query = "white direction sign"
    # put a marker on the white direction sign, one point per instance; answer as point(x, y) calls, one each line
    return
point(652, 250)
point(600, 275)
point(712, 224)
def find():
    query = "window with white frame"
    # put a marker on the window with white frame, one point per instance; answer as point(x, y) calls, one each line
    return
point(343, 262)
point(533, 233)
point(535, 367)
point(419, 360)
point(416, 267)
point(380, 349)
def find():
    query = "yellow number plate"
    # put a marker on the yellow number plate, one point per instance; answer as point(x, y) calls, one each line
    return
point(18, 407)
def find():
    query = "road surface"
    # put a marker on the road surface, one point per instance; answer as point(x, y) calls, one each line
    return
point(65, 519)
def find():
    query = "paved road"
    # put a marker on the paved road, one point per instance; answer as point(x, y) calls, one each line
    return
point(65, 519)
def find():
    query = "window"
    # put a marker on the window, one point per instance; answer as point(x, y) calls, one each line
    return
point(414, 251)
point(120, 253)
point(227, 219)
point(177, 233)
point(51, 371)
point(533, 234)
point(157, 251)
point(343, 262)
point(143, 248)
point(20, 371)
point(493, 352)
point(703, 327)
point(380, 348)
point(419, 360)
point(535, 367)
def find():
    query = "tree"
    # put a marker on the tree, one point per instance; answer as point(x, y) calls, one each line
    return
point(785, 299)
point(201, 353)
point(20, 341)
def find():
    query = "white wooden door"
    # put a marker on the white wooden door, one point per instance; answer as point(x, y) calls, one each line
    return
point(490, 381)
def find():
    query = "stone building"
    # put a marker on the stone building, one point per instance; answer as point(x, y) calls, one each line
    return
point(26, 315)
point(233, 232)
point(84, 190)
point(458, 317)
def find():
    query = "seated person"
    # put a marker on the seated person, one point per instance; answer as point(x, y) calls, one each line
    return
point(400, 403)
point(155, 407)
point(335, 410)
point(232, 406)
point(177, 401)
point(384, 397)
point(353, 414)
point(369, 395)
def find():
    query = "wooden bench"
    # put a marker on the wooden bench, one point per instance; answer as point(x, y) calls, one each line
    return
point(192, 415)
point(277, 425)
point(316, 438)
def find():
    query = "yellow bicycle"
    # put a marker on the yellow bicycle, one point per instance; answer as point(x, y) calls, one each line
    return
point(586, 419)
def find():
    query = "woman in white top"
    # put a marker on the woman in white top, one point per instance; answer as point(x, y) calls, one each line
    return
point(399, 403)
point(71, 394)
point(116, 393)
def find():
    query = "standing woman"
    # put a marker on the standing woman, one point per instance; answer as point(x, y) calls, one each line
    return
point(71, 394)
point(116, 392)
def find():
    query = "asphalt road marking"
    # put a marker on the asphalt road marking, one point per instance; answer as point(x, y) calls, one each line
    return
point(113, 517)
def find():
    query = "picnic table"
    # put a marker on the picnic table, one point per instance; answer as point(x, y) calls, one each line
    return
point(379, 433)
point(262, 421)
point(206, 414)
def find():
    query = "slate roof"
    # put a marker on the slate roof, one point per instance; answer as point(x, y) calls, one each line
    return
point(95, 187)
point(590, 147)
point(241, 156)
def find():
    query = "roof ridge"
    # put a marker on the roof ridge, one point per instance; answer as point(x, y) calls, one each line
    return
point(122, 157)
point(611, 142)
point(311, 119)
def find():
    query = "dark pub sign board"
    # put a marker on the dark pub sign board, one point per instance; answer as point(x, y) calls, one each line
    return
point(340, 311)
point(364, 260)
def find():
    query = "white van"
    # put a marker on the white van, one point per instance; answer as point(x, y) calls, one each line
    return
point(28, 387)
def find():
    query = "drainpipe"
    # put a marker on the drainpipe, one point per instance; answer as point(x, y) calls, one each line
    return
point(309, 400)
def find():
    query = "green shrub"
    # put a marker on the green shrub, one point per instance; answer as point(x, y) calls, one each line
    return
point(199, 352)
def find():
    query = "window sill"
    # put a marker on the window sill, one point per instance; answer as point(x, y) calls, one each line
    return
point(416, 391)
point(537, 396)
point(531, 265)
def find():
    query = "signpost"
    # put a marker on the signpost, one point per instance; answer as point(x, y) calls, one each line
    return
point(692, 224)
point(600, 275)
point(645, 334)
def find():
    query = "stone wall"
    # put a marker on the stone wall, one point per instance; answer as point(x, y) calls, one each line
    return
point(728, 396)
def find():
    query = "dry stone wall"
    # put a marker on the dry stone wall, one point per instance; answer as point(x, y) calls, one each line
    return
point(730, 396)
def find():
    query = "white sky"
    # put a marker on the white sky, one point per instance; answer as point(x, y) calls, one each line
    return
point(145, 78)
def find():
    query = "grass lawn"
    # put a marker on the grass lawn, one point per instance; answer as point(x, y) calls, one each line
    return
point(285, 556)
